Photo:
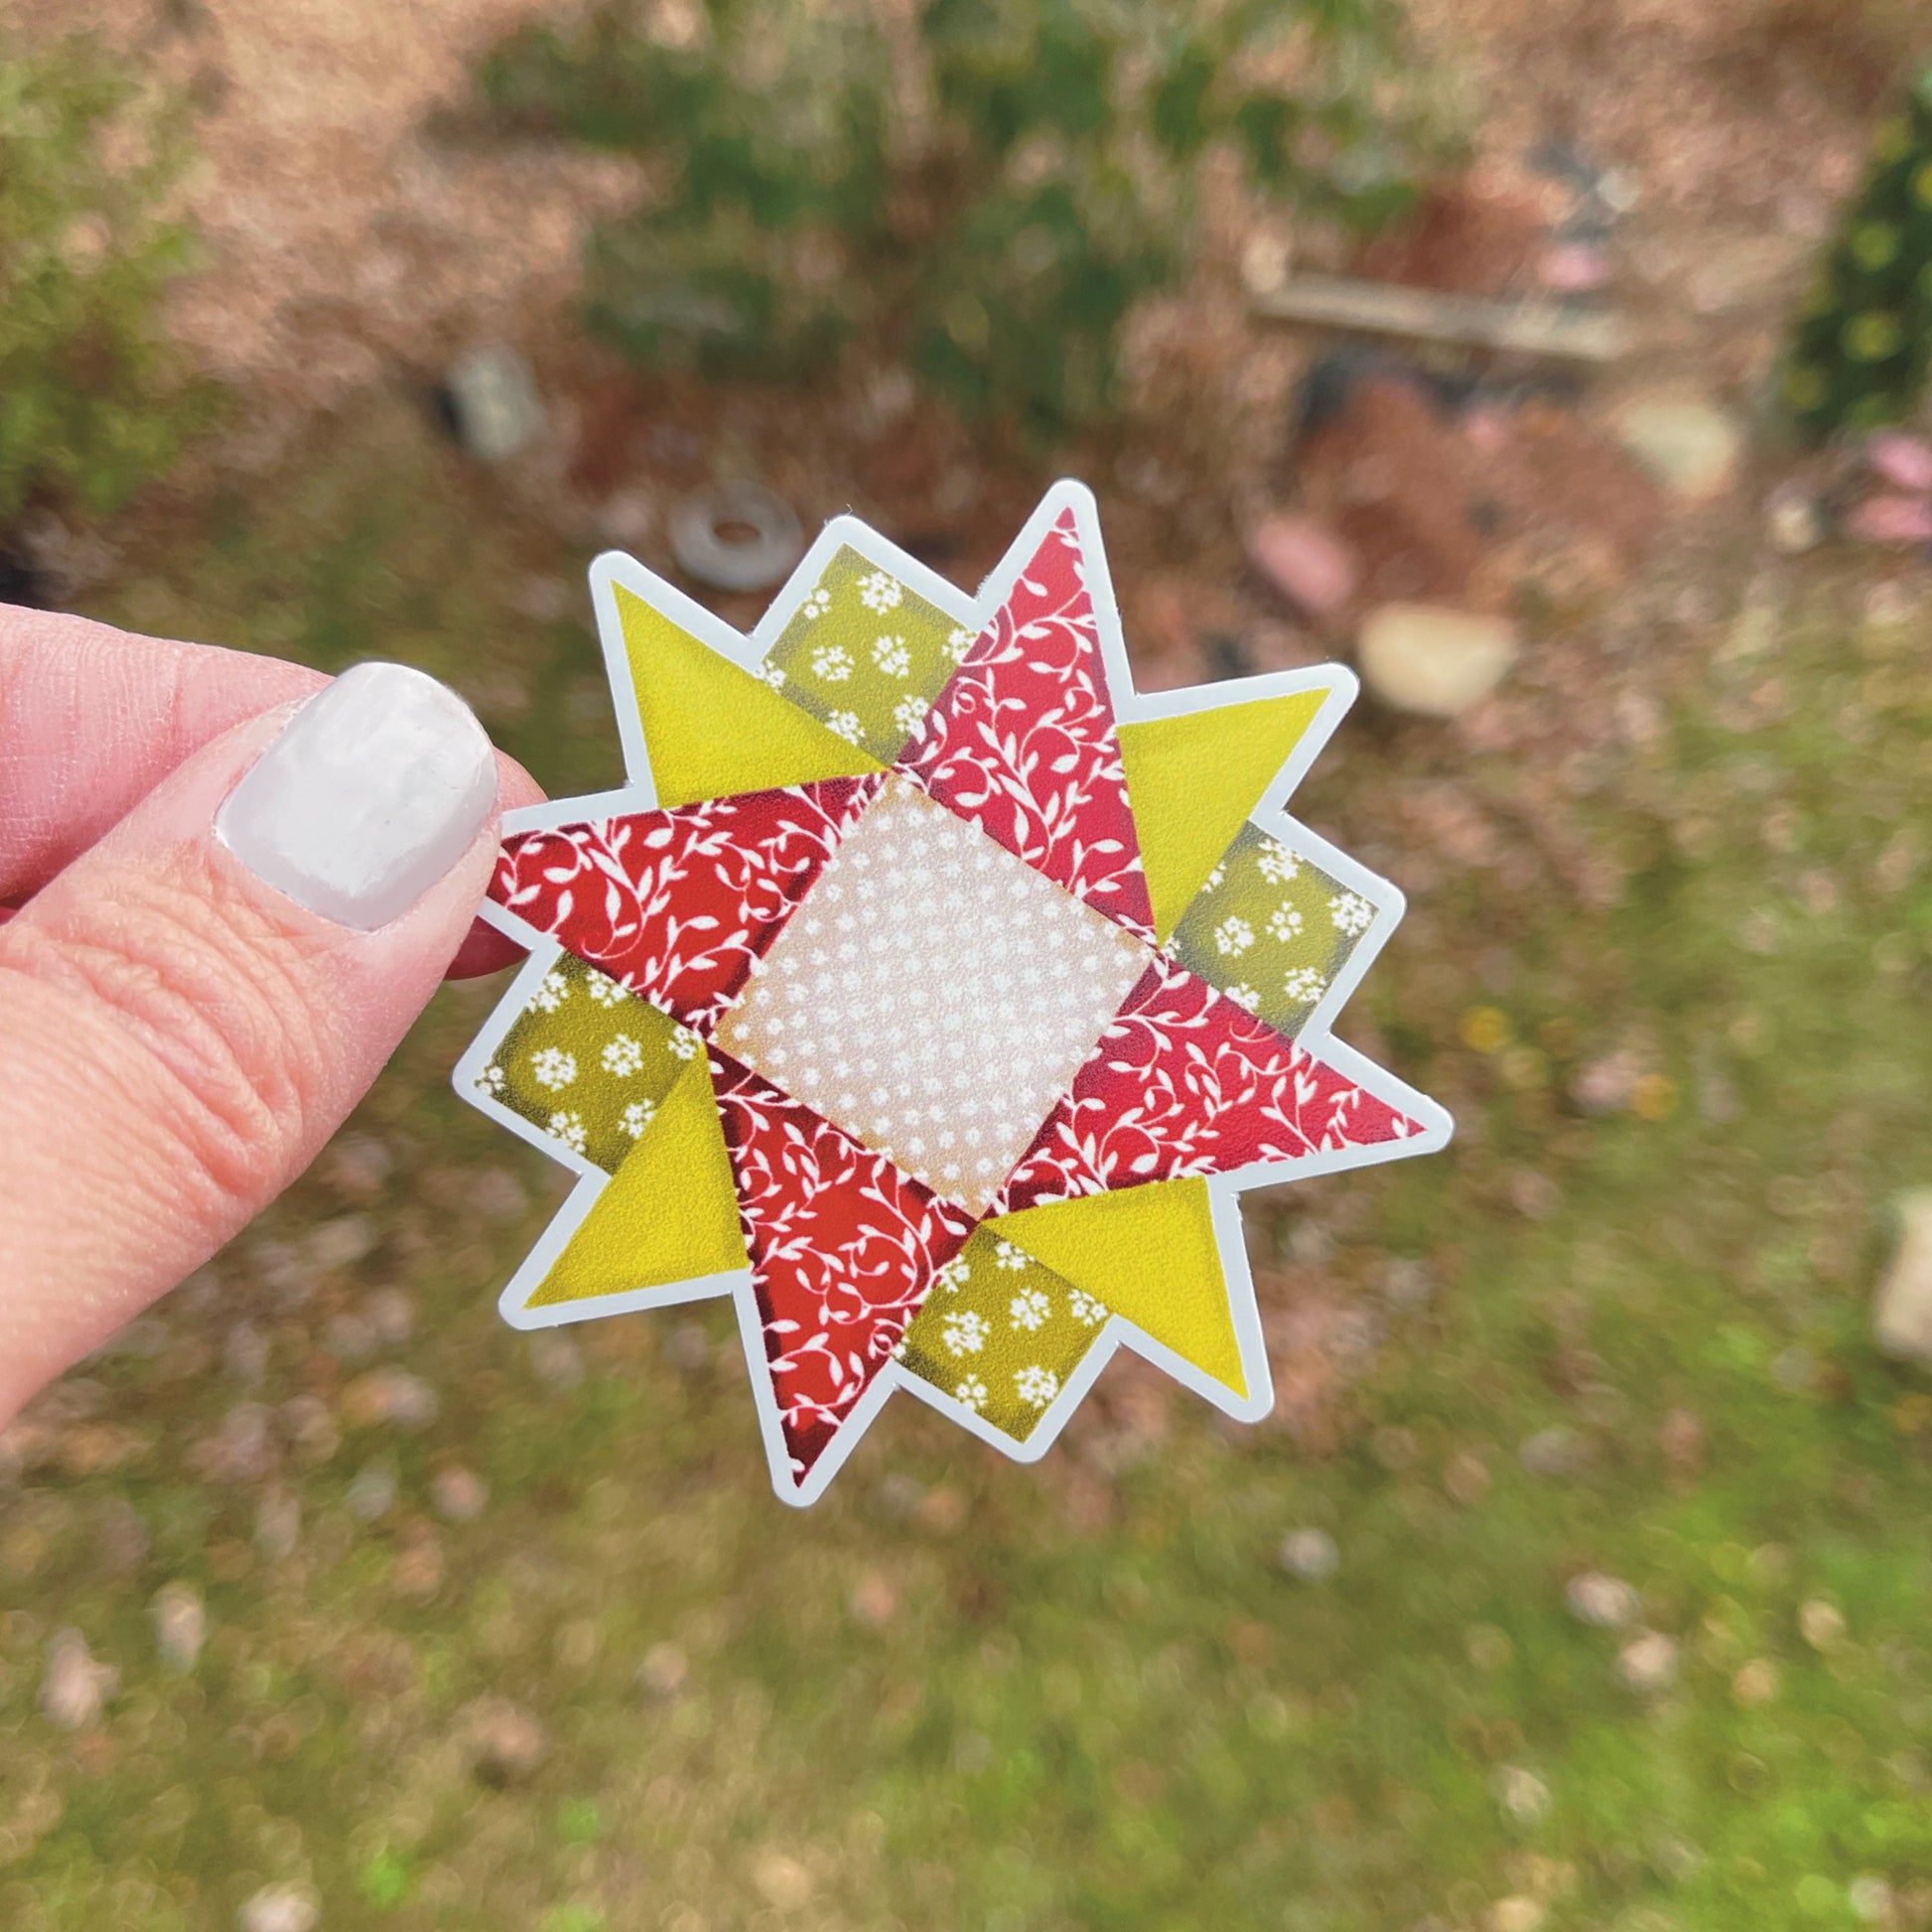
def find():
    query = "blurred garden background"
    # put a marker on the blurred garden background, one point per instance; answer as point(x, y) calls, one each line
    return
point(1556, 361)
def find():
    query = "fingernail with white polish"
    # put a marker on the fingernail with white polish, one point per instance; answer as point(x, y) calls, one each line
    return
point(372, 792)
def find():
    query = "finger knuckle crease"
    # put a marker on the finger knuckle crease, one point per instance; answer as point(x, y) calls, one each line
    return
point(205, 987)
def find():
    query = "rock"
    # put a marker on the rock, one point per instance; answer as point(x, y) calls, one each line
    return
point(1408, 1281)
point(1490, 1649)
point(1821, 1624)
point(899, 1495)
point(504, 1742)
point(888, 398)
point(1794, 1368)
point(458, 1495)
point(494, 403)
point(245, 1353)
point(687, 1347)
point(1901, 1316)
point(1517, 1913)
point(738, 536)
point(1553, 1453)
point(874, 1602)
point(389, 1395)
point(627, 518)
point(543, 600)
point(1575, 268)
point(391, 1314)
point(557, 1359)
point(180, 1624)
point(1648, 1662)
point(1871, 1899)
point(1305, 561)
point(1263, 264)
point(356, 1165)
point(1681, 1438)
point(124, 1542)
point(278, 1525)
point(1688, 444)
point(310, 1426)
point(281, 1266)
point(1618, 189)
point(242, 1450)
point(664, 1670)
point(1467, 1479)
point(1522, 1794)
point(1605, 1085)
point(1890, 519)
point(279, 1908)
point(1434, 661)
point(348, 1337)
point(1793, 522)
point(419, 1568)
point(1607, 1601)
point(1905, 461)
point(75, 1686)
point(342, 1242)
point(945, 1510)
point(1309, 1555)
point(786, 1883)
point(1534, 1195)
point(496, 1194)
point(373, 1493)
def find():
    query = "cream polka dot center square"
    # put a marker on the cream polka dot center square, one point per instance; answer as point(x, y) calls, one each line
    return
point(933, 996)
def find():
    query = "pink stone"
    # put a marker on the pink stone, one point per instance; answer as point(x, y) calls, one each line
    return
point(1903, 461)
point(1574, 268)
point(1891, 520)
point(1308, 564)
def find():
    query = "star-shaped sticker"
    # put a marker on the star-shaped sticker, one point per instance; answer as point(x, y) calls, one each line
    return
point(932, 993)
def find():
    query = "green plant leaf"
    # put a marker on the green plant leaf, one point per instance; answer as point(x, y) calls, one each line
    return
point(987, 204)
point(1178, 109)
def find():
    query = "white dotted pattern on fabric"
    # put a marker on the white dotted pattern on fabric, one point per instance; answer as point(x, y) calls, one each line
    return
point(933, 996)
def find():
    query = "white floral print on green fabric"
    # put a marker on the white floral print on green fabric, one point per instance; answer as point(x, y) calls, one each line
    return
point(586, 1063)
point(865, 655)
point(1271, 929)
point(1001, 1333)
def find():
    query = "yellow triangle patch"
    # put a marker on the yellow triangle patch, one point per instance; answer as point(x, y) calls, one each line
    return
point(712, 728)
point(668, 1214)
point(1149, 1254)
point(1193, 779)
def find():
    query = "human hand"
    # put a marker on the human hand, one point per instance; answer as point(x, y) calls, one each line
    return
point(234, 885)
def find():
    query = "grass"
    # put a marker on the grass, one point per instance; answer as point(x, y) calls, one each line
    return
point(961, 1693)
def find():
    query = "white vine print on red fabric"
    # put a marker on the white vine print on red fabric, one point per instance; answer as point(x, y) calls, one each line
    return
point(1022, 740)
point(1186, 1083)
point(844, 1248)
point(676, 905)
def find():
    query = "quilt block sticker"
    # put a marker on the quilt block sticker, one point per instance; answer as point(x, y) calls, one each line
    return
point(932, 994)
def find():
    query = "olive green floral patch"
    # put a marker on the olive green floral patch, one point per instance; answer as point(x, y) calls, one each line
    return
point(587, 1062)
point(1001, 1332)
point(866, 656)
point(1271, 929)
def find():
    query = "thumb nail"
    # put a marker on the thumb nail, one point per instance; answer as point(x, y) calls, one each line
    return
point(368, 796)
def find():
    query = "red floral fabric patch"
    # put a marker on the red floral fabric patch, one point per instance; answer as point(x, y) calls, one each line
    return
point(1186, 1083)
point(1021, 739)
point(844, 1248)
point(676, 905)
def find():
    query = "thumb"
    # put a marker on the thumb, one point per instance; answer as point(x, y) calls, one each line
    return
point(190, 1009)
